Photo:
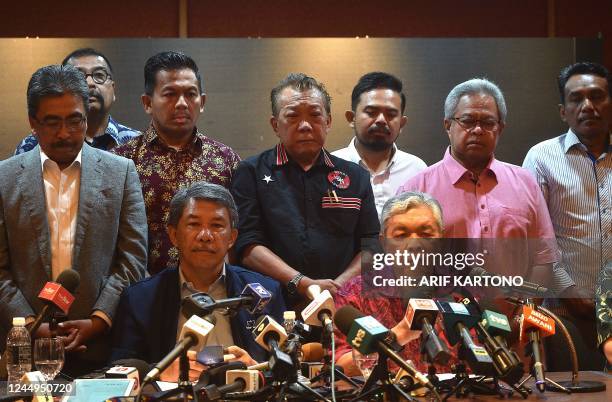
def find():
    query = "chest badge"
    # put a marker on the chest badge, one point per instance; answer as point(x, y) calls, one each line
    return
point(267, 179)
point(339, 179)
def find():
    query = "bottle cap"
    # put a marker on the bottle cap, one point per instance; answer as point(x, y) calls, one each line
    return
point(18, 322)
point(289, 315)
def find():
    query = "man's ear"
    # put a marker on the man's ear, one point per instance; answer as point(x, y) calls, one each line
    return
point(274, 124)
point(349, 115)
point(562, 112)
point(403, 121)
point(33, 125)
point(146, 103)
point(172, 234)
point(234, 236)
point(447, 125)
point(202, 102)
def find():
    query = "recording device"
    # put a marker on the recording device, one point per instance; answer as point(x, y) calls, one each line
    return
point(254, 297)
point(270, 335)
point(320, 310)
point(420, 315)
point(533, 326)
point(193, 335)
point(128, 369)
point(56, 296)
point(210, 355)
point(457, 324)
point(367, 335)
point(492, 331)
point(235, 381)
point(527, 288)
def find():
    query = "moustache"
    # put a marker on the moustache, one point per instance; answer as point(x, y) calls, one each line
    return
point(383, 129)
point(63, 144)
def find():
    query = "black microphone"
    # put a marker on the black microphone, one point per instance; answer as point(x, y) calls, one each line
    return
point(56, 295)
point(457, 323)
point(254, 298)
point(367, 335)
point(420, 315)
point(271, 335)
point(527, 288)
point(193, 334)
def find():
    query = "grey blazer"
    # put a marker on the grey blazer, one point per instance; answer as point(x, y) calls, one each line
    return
point(110, 246)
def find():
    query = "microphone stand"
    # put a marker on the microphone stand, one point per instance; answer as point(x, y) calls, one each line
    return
point(573, 385)
point(325, 373)
point(381, 373)
point(184, 391)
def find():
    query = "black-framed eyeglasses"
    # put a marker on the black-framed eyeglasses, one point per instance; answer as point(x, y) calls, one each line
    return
point(469, 123)
point(73, 124)
point(98, 76)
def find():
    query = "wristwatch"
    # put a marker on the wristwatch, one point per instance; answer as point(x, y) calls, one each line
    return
point(293, 283)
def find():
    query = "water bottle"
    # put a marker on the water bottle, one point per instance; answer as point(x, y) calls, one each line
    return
point(19, 350)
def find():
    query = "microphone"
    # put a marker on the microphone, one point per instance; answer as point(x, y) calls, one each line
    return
point(367, 335)
point(492, 331)
point(56, 296)
point(270, 335)
point(235, 381)
point(254, 297)
point(527, 288)
point(534, 325)
point(193, 334)
point(457, 323)
point(420, 315)
point(320, 310)
point(130, 369)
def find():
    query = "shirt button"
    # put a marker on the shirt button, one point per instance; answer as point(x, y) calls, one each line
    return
point(486, 229)
point(482, 206)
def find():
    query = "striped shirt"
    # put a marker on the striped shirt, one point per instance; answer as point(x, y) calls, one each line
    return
point(577, 190)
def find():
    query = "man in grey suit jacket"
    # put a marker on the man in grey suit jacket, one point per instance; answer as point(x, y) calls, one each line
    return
point(67, 205)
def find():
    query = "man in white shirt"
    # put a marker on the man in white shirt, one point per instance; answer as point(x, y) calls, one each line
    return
point(377, 117)
point(66, 205)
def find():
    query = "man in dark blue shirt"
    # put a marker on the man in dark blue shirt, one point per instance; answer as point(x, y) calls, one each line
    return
point(303, 212)
point(202, 226)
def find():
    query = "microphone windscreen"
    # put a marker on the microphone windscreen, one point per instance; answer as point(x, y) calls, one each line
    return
point(345, 316)
point(69, 279)
point(313, 352)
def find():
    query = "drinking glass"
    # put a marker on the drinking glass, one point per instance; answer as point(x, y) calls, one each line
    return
point(49, 356)
point(365, 363)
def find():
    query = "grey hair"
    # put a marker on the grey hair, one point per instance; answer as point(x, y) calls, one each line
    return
point(55, 81)
point(203, 191)
point(473, 87)
point(404, 202)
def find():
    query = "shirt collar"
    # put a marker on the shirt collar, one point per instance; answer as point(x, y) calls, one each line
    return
point(456, 170)
point(282, 158)
point(152, 136)
point(44, 158)
point(571, 139)
point(188, 286)
point(356, 158)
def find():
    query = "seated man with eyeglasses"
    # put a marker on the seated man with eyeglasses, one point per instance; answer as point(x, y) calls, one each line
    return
point(484, 198)
point(67, 205)
point(103, 132)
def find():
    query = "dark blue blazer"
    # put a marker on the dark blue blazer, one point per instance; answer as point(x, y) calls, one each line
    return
point(146, 320)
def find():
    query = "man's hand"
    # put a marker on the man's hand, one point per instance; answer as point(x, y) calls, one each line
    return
point(403, 332)
point(241, 355)
point(67, 336)
point(578, 301)
point(82, 331)
point(607, 349)
point(328, 284)
point(171, 374)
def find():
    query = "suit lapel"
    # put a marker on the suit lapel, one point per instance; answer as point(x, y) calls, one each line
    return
point(91, 179)
point(30, 181)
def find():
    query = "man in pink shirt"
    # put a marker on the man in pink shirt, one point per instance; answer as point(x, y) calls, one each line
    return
point(483, 198)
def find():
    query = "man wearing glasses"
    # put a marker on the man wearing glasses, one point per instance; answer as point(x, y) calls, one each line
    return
point(66, 205)
point(482, 197)
point(103, 131)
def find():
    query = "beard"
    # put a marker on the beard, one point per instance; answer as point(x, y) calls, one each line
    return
point(374, 144)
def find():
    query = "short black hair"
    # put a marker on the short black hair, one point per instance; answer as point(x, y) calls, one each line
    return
point(168, 61)
point(583, 67)
point(300, 82)
point(55, 80)
point(86, 51)
point(377, 80)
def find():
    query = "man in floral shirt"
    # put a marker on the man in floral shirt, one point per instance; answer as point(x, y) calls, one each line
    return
point(172, 153)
